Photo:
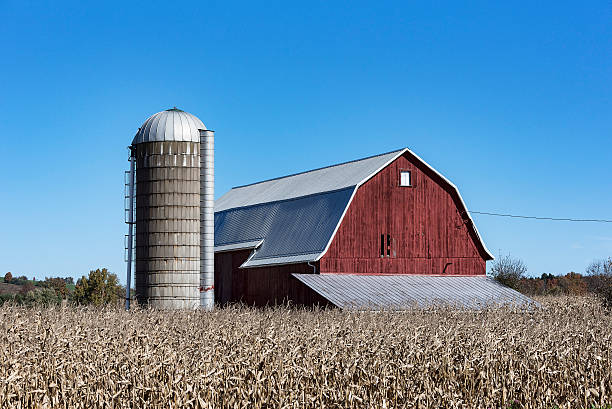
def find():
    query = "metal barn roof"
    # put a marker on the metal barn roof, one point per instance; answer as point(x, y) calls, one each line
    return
point(401, 292)
point(289, 231)
point(295, 217)
point(326, 179)
point(170, 125)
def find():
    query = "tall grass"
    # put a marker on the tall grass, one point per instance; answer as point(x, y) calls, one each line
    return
point(558, 356)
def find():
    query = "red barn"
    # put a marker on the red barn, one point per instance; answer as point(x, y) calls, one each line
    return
point(387, 231)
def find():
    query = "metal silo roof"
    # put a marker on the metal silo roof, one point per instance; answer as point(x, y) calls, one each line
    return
point(401, 292)
point(170, 125)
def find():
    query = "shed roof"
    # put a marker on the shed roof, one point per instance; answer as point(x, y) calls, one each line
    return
point(294, 218)
point(287, 231)
point(400, 292)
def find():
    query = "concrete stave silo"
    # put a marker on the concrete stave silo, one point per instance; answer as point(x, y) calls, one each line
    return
point(167, 155)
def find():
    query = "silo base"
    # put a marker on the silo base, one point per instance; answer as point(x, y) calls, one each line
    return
point(173, 304)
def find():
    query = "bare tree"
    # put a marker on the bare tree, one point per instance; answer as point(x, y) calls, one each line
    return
point(600, 267)
point(508, 271)
point(601, 274)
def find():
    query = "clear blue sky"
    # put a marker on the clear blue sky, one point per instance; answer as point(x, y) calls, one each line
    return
point(510, 103)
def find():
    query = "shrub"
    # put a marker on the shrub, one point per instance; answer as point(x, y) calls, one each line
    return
point(26, 288)
point(8, 277)
point(35, 297)
point(21, 280)
point(508, 271)
point(605, 295)
point(44, 297)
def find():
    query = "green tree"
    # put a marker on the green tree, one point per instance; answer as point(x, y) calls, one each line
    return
point(101, 287)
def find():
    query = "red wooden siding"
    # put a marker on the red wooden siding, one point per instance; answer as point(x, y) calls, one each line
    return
point(260, 286)
point(424, 221)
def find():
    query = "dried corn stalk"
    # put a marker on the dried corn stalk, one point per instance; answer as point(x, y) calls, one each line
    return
point(240, 357)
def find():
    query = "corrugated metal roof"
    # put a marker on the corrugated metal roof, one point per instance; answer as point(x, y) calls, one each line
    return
point(170, 125)
point(295, 230)
point(400, 292)
point(326, 179)
point(254, 212)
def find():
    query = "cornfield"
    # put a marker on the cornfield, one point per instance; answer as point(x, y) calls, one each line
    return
point(239, 357)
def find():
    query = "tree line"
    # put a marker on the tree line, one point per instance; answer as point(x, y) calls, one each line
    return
point(596, 280)
point(100, 287)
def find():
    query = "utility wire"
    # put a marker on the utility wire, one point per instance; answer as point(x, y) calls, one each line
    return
point(543, 218)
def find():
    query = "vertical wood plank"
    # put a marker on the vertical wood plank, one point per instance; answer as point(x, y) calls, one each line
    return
point(423, 220)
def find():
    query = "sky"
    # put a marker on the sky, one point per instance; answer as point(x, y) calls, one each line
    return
point(511, 103)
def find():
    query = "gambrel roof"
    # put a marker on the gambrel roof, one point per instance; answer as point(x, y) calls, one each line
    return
point(335, 177)
point(293, 219)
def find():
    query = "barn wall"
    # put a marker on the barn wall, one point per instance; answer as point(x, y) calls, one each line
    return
point(426, 228)
point(225, 264)
point(260, 286)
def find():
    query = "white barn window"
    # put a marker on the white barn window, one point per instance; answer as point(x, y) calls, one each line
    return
point(405, 178)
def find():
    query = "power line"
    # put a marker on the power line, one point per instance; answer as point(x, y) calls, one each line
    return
point(543, 218)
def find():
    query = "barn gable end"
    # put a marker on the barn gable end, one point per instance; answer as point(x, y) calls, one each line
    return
point(392, 229)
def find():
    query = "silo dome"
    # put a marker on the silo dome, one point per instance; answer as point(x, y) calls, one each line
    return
point(170, 125)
